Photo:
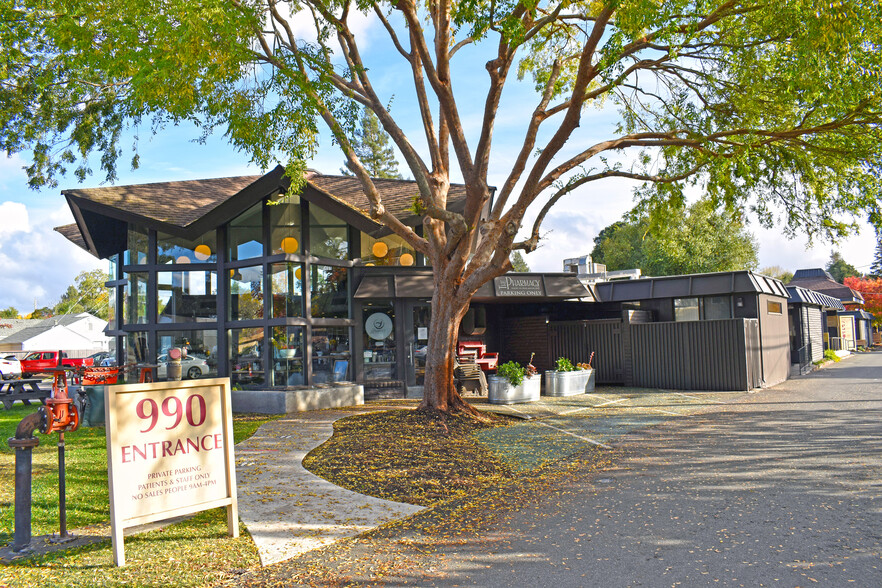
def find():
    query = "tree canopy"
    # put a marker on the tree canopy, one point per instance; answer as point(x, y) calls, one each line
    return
point(10, 312)
point(839, 268)
point(871, 290)
point(699, 241)
point(771, 109)
point(876, 268)
point(86, 294)
point(776, 271)
point(518, 263)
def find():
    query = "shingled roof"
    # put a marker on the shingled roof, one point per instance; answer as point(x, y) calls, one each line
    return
point(189, 208)
point(821, 281)
point(176, 203)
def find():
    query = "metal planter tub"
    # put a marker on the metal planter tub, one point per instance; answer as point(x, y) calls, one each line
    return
point(569, 383)
point(502, 392)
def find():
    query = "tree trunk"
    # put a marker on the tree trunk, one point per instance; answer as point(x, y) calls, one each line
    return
point(439, 393)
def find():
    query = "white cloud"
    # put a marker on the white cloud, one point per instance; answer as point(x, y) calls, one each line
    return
point(13, 219)
point(37, 263)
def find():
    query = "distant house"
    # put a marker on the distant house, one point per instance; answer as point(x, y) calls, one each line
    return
point(70, 332)
point(842, 327)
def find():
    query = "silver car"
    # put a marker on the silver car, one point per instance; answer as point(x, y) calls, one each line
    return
point(192, 367)
point(10, 367)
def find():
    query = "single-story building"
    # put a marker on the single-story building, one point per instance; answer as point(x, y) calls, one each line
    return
point(863, 326)
point(841, 329)
point(808, 312)
point(289, 292)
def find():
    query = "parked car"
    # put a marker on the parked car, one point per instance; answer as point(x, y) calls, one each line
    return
point(10, 367)
point(37, 362)
point(192, 367)
point(98, 358)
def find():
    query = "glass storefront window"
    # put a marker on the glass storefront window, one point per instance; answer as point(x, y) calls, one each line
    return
point(379, 342)
point(390, 250)
point(286, 286)
point(111, 308)
point(185, 297)
point(246, 293)
point(199, 353)
point(136, 253)
point(113, 264)
point(245, 235)
point(246, 356)
point(288, 356)
point(328, 235)
point(136, 299)
point(136, 350)
point(329, 291)
point(171, 249)
point(331, 354)
point(285, 225)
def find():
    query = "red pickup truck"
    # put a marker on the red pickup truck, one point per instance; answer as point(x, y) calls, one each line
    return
point(37, 362)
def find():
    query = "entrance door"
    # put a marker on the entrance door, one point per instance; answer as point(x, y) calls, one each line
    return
point(417, 344)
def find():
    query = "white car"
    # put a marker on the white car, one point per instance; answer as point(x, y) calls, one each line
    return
point(192, 367)
point(10, 367)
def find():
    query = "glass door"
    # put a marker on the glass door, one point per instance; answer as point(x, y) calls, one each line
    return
point(379, 342)
point(417, 346)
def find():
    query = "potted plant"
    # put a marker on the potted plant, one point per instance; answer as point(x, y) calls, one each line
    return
point(568, 379)
point(513, 383)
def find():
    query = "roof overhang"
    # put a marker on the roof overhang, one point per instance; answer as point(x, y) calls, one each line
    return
point(714, 284)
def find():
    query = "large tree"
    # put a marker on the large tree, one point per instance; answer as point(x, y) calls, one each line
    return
point(87, 294)
point(699, 241)
point(871, 290)
point(771, 108)
point(374, 149)
point(876, 267)
point(839, 268)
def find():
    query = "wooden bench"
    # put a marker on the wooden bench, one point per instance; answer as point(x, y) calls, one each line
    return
point(25, 389)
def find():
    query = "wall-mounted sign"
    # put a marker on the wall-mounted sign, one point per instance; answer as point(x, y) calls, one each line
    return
point(378, 326)
point(519, 286)
point(422, 333)
point(169, 453)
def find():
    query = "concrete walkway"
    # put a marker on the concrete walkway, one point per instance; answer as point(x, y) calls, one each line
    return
point(288, 510)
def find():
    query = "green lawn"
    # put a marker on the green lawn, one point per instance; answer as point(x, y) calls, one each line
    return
point(191, 553)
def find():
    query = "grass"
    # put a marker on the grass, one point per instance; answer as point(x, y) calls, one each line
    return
point(191, 553)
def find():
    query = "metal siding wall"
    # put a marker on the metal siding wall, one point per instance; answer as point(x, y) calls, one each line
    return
point(815, 333)
point(576, 340)
point(696, 355)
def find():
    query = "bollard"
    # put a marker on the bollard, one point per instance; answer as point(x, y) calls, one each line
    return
point(23, 443)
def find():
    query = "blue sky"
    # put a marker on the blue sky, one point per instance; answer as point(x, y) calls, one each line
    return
point(37, 264)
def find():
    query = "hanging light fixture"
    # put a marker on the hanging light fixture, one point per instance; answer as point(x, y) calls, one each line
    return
point(405, 259)
point(182, 259)
point(289, 245)
point(298, 272)
point(380, 249)
point(202, 252)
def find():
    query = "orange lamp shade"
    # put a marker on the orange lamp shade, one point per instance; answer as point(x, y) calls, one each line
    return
point(182, 259)
point(298, 272)
point(380, 249)
point(202, 252)
point(290, 245)
point(405, 259)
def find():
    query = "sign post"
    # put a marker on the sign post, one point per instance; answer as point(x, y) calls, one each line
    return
point(169, 453)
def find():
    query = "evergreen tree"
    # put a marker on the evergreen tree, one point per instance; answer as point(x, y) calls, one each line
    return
point(517, 262)
point(876, 268)
point(373, 147)
point(839, 268)
point(88, 294)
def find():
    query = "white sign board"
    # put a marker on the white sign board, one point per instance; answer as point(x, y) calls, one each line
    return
point(169, 453)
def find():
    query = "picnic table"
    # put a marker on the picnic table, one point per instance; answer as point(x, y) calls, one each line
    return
point(24, 389)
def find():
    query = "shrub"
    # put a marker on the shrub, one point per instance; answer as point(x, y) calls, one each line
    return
point(564, 365)
point(830, 355)
point(512, 370)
